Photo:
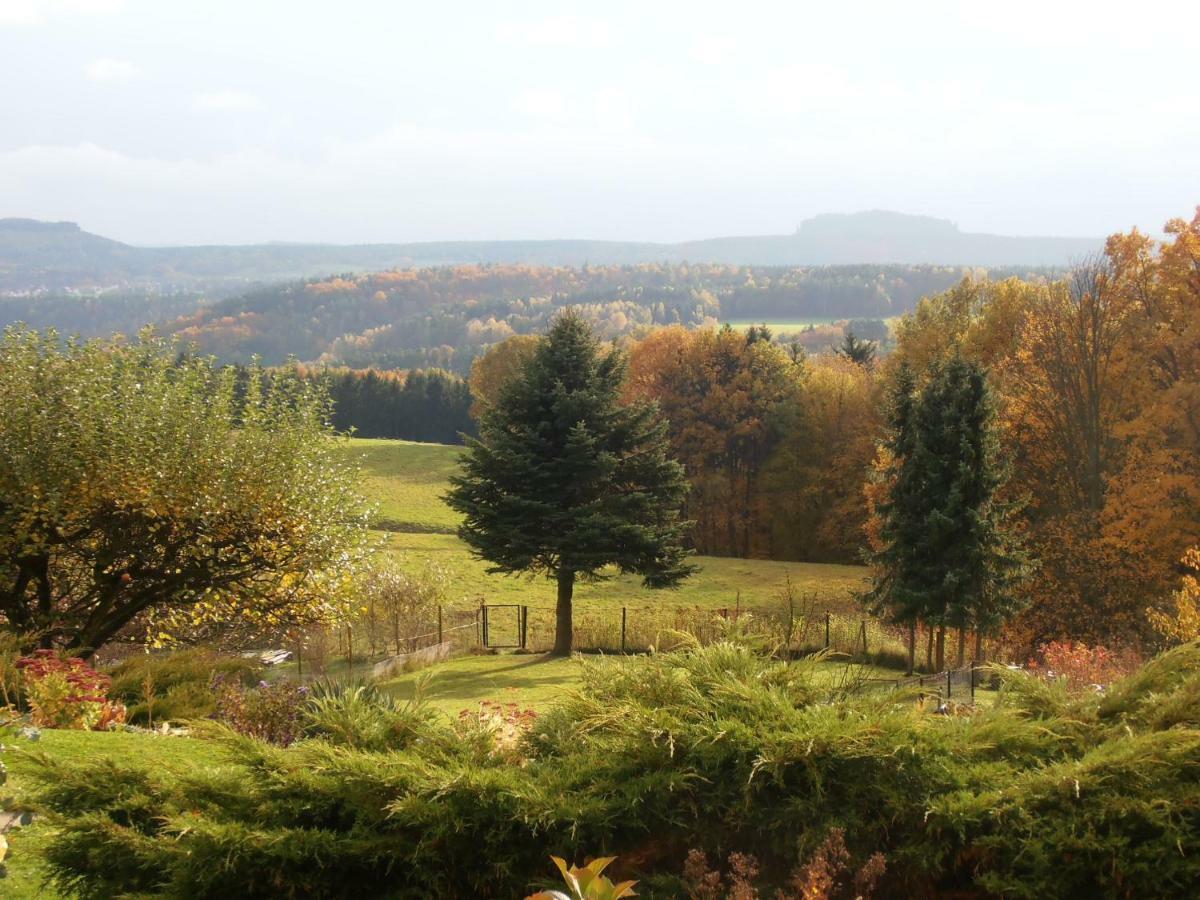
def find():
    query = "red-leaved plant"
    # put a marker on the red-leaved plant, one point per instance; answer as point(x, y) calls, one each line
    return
point(65, 692)
point(1081, 666)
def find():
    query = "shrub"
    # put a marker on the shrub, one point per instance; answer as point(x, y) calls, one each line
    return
point(360, 716)
point(271, 712)
point(1047, 795)
point(65, 692)
point(181, 683)
point(1081, 667)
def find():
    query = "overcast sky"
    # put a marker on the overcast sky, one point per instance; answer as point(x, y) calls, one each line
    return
point(170, 121)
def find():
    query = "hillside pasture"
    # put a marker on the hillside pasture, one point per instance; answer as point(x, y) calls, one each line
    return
point(407, 481)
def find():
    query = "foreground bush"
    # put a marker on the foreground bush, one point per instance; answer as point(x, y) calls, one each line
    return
point(65, 692)
point(1049, 794)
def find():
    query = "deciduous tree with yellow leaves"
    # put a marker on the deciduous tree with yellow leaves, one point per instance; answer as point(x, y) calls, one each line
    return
point(144, 491)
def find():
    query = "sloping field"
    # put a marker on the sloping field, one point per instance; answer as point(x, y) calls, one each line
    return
point(407, 481)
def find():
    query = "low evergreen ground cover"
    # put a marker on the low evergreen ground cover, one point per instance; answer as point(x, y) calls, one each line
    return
point(1045, 794)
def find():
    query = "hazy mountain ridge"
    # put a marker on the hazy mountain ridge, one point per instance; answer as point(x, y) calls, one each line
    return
point(60, 255)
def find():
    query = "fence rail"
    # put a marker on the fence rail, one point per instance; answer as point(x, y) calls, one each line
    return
point(631, 629)
point(952, 684)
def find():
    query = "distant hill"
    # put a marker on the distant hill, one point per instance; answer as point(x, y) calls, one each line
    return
point(880, 238)
point(55, 256)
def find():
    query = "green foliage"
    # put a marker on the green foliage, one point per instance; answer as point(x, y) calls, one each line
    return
point(362, 717)
point(566, 480)
point(147, 492)
point(420, 405)
point(712, 748)
point(182, 683)
point(948, 554)
point(587, 882)
point(859, 352)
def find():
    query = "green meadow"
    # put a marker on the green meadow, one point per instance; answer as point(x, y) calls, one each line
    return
point(406, 481)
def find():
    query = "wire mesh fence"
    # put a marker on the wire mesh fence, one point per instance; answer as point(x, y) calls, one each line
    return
point(791, 629)
point(638, 629)
point(958, 685)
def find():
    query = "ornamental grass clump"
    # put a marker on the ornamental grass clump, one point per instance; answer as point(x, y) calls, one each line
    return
point(358, 715)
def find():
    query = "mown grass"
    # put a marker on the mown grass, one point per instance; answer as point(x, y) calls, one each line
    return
point(407, 481)
point(533, 681)
point(536, 681)
point(786, 326)
point(26, 871)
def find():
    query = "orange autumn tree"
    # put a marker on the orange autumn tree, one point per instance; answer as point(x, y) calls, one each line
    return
point(815, 474)
point(727, 397)
point(1153, 512)
point(1098, 378)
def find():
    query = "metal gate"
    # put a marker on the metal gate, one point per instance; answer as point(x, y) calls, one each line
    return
point(505, 626)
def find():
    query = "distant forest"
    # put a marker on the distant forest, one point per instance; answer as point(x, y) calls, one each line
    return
point(445, 317)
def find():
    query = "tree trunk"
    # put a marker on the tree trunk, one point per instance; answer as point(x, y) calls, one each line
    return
point(941, 648)
point(979, 646)
point(912, 646)
point(962, 645)
point(563, 624)
point(928, 648)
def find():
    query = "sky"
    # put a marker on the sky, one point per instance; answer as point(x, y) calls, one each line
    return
point(177, 122)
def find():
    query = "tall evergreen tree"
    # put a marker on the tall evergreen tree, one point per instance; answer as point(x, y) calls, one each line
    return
point(566, 481)
point(948, 556)
point(861, 353)
point(898, 593)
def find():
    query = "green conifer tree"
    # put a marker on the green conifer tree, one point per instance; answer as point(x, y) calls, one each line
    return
point(566, 481)
point(949, 558)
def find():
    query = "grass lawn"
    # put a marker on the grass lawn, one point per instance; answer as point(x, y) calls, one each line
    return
point(718, 583)
point(406, 479)
point(532, 680)
point(25, 870)
point(535, 680)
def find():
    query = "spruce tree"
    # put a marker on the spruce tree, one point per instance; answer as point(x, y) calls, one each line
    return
point(899, 593)
point(949, 557)
point(565, 481)
point(861, 353)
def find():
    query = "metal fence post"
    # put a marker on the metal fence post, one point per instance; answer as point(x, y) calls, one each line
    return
point(972, 683)
point(524, 625)
point(863, 628)
point(439, 623)
point(624, 613)
point(949, 683)
point(826, 631)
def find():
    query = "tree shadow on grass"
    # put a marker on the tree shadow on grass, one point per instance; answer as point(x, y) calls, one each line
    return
point(526, 679)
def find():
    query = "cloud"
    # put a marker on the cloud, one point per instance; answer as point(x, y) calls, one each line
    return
point(713, 49)
point(541, 104)
point(35, 12)
point(111, 70)
point(558, 31)
point(226, 101)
